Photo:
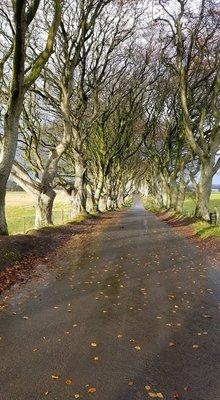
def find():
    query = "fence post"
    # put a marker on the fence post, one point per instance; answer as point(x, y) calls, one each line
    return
point(217, 215)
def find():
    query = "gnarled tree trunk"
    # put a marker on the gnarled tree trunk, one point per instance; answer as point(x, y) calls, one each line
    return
point(44, 207)
point(203, 191)
point(80, 185)
point(180, 196)
point(92, 205)
point(173, 195)
point(3, 223)
point(99, 189)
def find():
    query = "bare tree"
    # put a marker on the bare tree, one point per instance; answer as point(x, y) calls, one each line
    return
point(192, 56)
point(21, 79)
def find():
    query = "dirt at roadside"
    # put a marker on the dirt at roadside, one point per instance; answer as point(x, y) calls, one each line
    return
point(21, 254)
point(183, 228)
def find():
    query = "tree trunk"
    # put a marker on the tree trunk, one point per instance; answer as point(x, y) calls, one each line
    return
point(99, 189)
point(166, 196)
point(109, 203)
point(120, 200)
point(3, 223)
point(7, 156)
point(159, 199)
point(80, 185)
point(173, 195)
point(203, 192)
point(180, 196)
point(91, 205)
point(156, 188)
point(44, 207)
point(104, 203)
point(14, 108)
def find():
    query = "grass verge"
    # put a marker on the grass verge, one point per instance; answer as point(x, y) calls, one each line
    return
point(201, 228)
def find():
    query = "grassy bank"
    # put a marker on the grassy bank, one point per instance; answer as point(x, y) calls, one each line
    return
point(20, 211)
point(201, 228)
point(189, 204)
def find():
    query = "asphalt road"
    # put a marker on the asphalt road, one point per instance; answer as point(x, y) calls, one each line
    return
point(134, 315)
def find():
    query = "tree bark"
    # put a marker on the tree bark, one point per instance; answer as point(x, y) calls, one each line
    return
point(3, 223)
point(44, 207)
point(180, 196)
point(173, 195)
point(91, 205)
point(99, 189)
point(80, 185)
point(109, 203)
point(203, 192)
point(165, 193)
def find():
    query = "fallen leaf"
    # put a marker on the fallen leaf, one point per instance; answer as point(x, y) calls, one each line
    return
point(55, 377)
point(153, 395)
point(69, 382)
point(92, 390)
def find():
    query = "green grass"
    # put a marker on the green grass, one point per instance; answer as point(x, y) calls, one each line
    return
point(205, 230)
point(201, 228)
point(189, 204)
point(20, 212)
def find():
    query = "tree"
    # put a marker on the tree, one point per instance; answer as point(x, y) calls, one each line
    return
point(191, 54)
point(22, 78)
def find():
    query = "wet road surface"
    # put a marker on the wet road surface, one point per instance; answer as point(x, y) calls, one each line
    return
point(134, 315)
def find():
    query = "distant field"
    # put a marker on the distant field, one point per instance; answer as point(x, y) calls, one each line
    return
point(189, 204)
point(20, 211)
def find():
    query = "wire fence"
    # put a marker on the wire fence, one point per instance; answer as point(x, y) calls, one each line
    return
point(22, 224)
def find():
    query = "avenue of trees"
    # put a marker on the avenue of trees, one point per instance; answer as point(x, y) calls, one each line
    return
point(102, 97)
